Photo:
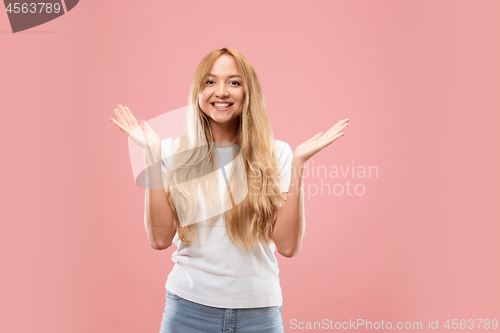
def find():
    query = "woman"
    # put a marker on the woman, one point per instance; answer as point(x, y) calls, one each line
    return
point(225, 277)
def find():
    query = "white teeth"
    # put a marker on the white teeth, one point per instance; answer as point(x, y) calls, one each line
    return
point(221, 104)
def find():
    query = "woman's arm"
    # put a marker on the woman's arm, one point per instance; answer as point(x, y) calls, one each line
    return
point(158, 217)
point(290, 225)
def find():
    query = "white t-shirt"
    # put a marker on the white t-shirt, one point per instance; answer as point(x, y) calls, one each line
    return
point(218, 273)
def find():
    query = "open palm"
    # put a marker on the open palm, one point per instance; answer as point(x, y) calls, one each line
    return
point(143, 135)
point(321, 140)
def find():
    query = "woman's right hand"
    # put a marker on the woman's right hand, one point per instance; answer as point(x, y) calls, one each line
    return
point(144, 136)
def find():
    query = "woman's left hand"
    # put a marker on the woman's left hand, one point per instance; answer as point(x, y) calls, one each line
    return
point(307, 149)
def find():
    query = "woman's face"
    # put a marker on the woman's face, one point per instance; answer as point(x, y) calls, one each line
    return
point(222, 97)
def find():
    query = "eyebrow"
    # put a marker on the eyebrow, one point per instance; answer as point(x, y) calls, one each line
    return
point(228, 76)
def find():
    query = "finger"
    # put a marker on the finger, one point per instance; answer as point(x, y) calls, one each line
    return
point(146, 126)
point(341, 128)
point(316, 136)
point(332, 139)
point(331, 131)
point(148, 131)
point(120, 126)
point(125, 115)
point(336, 129)
point(143, 125)
point(120, 117)
point(131, 115)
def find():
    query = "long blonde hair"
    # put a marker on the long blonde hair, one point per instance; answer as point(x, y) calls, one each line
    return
point(251, 220)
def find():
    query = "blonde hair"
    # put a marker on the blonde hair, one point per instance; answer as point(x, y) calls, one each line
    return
point(251, 220)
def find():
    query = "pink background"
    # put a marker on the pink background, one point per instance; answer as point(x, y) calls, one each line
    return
point(419, 81)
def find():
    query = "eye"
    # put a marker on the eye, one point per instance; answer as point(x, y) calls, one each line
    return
point(209, 81)
point(236, 82)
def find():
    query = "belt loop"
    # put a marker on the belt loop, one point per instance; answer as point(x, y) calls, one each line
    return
point(229, 315)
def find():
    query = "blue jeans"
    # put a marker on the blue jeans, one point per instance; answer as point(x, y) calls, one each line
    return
point(183, 316)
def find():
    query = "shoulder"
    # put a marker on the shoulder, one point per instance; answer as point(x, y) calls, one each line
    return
point(167, 152)
point(284, 156)
point(167, 145)
point(279, 144)
point(282, 150)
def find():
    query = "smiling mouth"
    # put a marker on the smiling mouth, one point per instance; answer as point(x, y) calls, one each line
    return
point(222, 105)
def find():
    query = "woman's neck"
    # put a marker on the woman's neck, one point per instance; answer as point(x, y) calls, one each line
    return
point(224, 132)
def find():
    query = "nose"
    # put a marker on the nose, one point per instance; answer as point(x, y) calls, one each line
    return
point(221, 91)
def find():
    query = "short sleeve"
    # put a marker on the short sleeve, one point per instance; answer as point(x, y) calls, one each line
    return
point(166, 155)
point(285, 156)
